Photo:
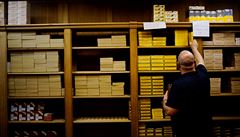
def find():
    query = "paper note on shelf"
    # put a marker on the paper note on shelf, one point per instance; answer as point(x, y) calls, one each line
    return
point(154, 25)
point(200, 28)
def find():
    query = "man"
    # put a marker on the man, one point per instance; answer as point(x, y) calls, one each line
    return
point(187, 101)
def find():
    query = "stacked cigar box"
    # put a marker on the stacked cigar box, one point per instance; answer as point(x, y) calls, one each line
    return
point(181, 37)
point(93, 85)
point(223, 39)
point(159, 41)
point(145, 39)
point(27, 111)
point(2, 13)
point(145, 108)
point(38, 61)
point(34, 133)
point(235, 85)
point(97, 85)
point(149, 132)
point(114, 41)
point(157, 113)
point(237, 60)
point(142, 130)
point(18, 12)
point(151, 85)
point(33, 40)
point(213, 59)
point(144, 63)
point(35, 85)
point(160, 14)
point(157, 62)
point(107, 64)
point(167, 131)
point(171, 16)
point(215, 84)
point(118, 88)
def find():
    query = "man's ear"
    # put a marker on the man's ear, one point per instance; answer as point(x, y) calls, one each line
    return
point(178, 65)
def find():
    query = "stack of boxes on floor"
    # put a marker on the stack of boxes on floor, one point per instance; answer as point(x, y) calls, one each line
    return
point(144, 131)
point(18, 12)
point(157, 62)
point(97, 85)
point(35, 85)
point(114, 41)
point(151, 85)
point(159, 14)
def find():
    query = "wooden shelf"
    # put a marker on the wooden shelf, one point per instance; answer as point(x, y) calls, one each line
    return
point(227, 118)
point(109, 25)
point(38, 97)
point(189, 25)
point(34, 49)
point(159, 120)
point(162, 71)
point(124, 96)
point(224, 70)
point(35, 73)
point(224, 94)
point(218, 46)
point(55, 121)
point(165, 47)
point(100, 48)
point(150, 96)
point(101, 72)
point(102, 120)
point(103, 25)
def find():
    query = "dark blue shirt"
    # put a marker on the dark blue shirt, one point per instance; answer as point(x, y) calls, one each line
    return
point(190, 94)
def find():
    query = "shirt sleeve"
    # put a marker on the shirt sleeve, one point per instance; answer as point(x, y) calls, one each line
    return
point(201, 68)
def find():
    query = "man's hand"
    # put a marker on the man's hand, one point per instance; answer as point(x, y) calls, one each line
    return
point(165, 98)
point(194, 44)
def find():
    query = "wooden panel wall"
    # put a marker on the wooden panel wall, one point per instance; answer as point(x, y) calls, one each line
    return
point(82, 11)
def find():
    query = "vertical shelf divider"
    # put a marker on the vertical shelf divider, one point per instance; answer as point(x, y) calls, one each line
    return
point(68, 82)
point(134, 78)
point(3, 85)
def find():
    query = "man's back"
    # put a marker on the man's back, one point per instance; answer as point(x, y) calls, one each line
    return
point(190, 96)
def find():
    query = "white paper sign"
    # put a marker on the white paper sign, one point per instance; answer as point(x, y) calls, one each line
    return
point(154, 25)
point(200, 28)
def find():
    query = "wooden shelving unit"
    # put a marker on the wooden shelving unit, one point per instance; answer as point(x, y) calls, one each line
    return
point(71, 19)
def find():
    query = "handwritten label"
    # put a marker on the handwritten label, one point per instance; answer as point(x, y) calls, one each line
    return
point(154, 25)
point(200, 28)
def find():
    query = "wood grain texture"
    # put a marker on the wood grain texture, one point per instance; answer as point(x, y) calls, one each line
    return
point(3, 85)
point(68, 82)
point(134, 78)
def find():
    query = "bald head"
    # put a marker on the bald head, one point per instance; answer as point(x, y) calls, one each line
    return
point(186, 60)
